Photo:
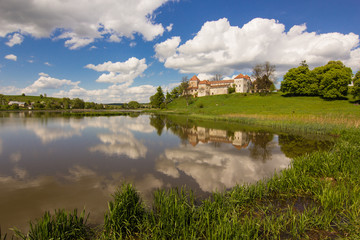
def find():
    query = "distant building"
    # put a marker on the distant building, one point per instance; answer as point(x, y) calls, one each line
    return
point(242, 84)
point(21, 104)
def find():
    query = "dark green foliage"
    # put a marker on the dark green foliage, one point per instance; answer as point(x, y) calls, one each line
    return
point(231, 89)
point(330, 81)
point(158, 98)
point(334, 79)
point(264, 77)
point(125, 213)
point(133, 104)
point(78, 103)
point(60, 226)
point(356, 88)
point(300, 81)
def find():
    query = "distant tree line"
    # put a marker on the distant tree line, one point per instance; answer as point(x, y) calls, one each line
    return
point(43, 102)
point(330, 81)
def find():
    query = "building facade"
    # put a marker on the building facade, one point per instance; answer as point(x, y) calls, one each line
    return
point(242, 84)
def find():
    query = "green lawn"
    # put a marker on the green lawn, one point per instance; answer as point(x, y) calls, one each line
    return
point(274, 106)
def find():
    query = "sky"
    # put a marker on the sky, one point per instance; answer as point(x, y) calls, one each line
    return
point(113, 51)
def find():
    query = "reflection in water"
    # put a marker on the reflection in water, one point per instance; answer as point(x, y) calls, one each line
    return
point(48, 161)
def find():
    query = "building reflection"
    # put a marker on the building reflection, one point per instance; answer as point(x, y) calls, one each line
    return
point(198, 134)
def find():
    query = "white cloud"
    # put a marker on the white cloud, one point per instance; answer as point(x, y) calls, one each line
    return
point(120, 72)
point(169, 28)
point(11, 57)
point(221, 48)
point(47, 64)
point(16, 38)
point(47, 82)
point(82, 21)
point(167, 48)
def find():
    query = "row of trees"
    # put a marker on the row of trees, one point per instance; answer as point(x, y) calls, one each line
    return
point(330, 81)
point(48, 103)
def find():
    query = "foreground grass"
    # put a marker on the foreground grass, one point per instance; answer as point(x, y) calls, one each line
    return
point(318, 197)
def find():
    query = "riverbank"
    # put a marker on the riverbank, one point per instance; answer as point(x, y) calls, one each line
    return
point(317, 198)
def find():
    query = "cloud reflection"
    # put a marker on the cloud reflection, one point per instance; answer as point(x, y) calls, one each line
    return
point(218, 168)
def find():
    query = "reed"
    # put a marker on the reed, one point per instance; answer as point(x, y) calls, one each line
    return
point(61, 225)
point(125, 213)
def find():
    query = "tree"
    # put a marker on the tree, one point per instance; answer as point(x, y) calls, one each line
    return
point(78, 103)
point(184, 85)
point(356, 88)
point(333, 79)
point(300, 81)
point(231, 89)
point(264, 76)
point(133, 104)
point(2, 99)
point(216, 77)
point(168, 98)
point(158, 98)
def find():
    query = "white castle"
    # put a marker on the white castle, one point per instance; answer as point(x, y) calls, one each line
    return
point(242, 84)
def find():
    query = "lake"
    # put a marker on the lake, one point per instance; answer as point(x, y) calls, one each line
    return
point(48, 161)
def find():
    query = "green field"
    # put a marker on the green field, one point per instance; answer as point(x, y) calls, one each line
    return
point(272, 107)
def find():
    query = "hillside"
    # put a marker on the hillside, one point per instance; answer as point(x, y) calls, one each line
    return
point(274, 106)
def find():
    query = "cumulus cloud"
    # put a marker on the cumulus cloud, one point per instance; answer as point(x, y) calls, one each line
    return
point(47, 82)
point(81, 22)
point(120, 72)
point(11, 57)
point(15, 39)
point(167, 48)
point(221, 48)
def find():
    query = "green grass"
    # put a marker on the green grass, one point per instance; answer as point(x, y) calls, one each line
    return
point(274, 106)
point(60, 226)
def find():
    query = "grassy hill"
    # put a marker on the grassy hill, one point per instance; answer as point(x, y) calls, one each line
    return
point(274, 106)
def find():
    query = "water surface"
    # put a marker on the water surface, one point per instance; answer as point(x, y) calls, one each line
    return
point(48, 161)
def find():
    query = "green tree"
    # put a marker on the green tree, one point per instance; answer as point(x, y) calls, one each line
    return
point(2, 99)
point(231, 89)
point(78, 103)
point(66, 102)
point(133, 104)
point(300, 81)
point(158, 98)
point(356, 88)
point(333, 79)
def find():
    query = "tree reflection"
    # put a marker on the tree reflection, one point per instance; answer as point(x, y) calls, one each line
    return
point(261, 145)
point(158, 122)
point(294, 146)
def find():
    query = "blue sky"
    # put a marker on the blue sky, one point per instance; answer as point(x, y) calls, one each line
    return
point(121, 50)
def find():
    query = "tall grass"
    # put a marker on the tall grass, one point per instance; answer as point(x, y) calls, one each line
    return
point(62, 225)
point(125, 213)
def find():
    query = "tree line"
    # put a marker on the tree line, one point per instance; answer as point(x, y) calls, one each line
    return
point(43, 102)
point(330, 81)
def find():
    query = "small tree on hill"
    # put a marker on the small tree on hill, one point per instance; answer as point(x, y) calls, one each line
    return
point(184, 85)
point(264, 77)
point(158, 98)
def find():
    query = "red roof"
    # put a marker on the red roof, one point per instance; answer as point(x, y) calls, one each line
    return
point(204, 82)
point(242, 76)
point(221, 82)
point(194, 78)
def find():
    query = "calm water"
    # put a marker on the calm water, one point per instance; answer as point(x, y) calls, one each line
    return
point(49, 162)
